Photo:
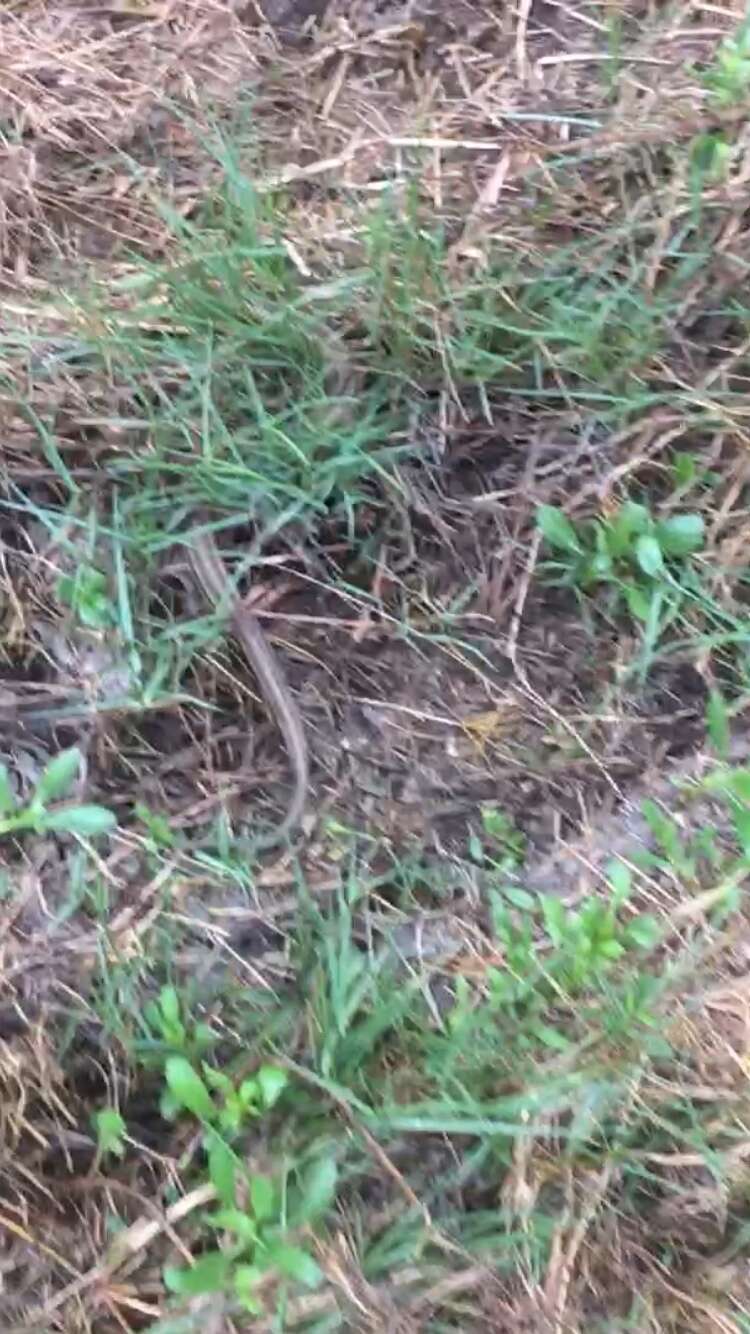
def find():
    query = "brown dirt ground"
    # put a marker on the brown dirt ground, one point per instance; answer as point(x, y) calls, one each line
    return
point(407, 738)
point(85, 91)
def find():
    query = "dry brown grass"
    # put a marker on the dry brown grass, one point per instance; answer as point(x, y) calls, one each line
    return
point(86, 99)
point(102, 113)
point(90, 136)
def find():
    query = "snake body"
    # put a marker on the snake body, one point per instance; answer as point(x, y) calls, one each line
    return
point(210, 572)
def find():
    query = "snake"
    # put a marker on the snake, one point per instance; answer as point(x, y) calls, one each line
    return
point(210, 572)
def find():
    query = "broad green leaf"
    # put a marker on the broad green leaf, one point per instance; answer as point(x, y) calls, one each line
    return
point(554, 917)
point(684, 468)
point(639, 602)
point(169, 1107)
point(66, 589)
point(241, 1225)
point(620, 879)
point(210, 1273)
point(317, 1190)
point(599, 568)
point(297, 1264)
point(633, 516)
point(592, 915)
point(611, 949)
point(222, 1167)
point(680, 535)
point(649, 555)
point(476, 849)
point(740, 783)
point(203, 1036)
point(502, 920)
point(58, 777)
point(645, 931)
point(85, 820)
point(231, 1114)
point(552, 1037)
point(271, 1081)
point(169, 1004)
point(157, 825)
point(110, 1129)
point(247, 1278)
point(187, 1088)
point(7, 799)
point(216, 1079)
point(717, 723)
point(557, 529)
point(262, 1198)
point(248, 1095)
point(709, 156)
point(619, 531)
point(520, 898)
point(166, 1017)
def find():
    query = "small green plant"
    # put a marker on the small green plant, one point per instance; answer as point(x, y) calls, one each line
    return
point(56, 782)
point(728, 78)
point(187, 1090)
point(710, 160)
point(731, 783)
point(159, 834)
point(110, 1133)
point(590, 938)
point(562, 970)
point(507, 848)
point(256, 1216)
point(171, 1029)
point(86, 593)
point(584, 941)
point(673, 850)
point(719, 851)
point(635, 555)
point(256, 1247)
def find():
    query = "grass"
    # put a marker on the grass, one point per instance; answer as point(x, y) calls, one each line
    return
point(559, 1065)
point(256, 396)
point(415, 1073)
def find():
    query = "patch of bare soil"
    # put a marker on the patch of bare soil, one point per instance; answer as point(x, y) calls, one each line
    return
point(410, 730)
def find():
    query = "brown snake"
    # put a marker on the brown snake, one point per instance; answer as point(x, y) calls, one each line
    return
point(211, 574)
